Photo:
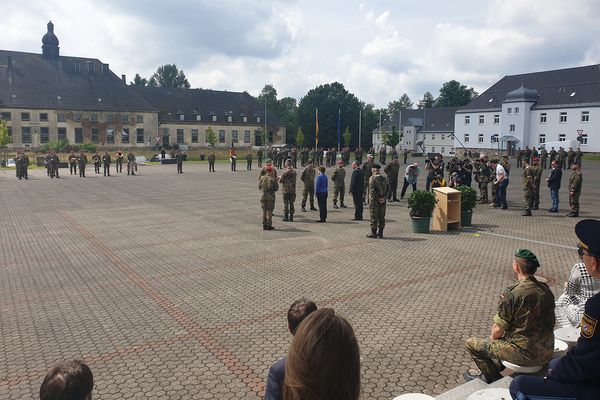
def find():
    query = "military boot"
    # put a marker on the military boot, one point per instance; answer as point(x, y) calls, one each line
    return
point(270, 227)
point(335, 205)
point(285, 217)
point(373, 234)
point(264, 227)
point(380, 233)
point(303, 207)
point(291, 217)
point(526, 213)
point(535, 206)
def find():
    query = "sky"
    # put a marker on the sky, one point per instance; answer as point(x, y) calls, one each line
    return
point(377, 49)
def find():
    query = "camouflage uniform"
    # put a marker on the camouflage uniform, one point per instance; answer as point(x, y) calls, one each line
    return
point(131, 165)
point(259, 157)
point(288, 186)
point(73, 163)
point(263, 172)
point(537, 179)
point(366, 167)
point(211, 162)
point(54, 164)
point(528, 179)
point(378, 188)
point(82, 161)
point(526, 313)
point(22, 163)
point(483, 174)
point(338, 177)
point(575, 181)
point(308, 177)
point(392, 170)
point(268, 184)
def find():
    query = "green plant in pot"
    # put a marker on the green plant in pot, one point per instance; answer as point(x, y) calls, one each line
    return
point(421, 204)
point(468, 201)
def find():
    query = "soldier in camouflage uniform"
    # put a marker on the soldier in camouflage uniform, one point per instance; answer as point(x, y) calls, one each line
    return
point(575, 181)
point(522, 332)
point(544, 158)
point(339, 187)
point(54, 164)
point(267, 183)
point(537, 179)
point(288, 186)
point(528, 185)
point(259, 157)
point(378, 188)
point(367, 169)
point(22, 163)
point(483, 174)
point(268, 169)
point(72, 163)
point(391, 170)
point(308, 177)
point(82, 162)
point(211, 161)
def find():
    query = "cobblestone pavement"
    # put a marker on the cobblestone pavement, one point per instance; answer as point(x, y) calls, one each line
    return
point(168, 287)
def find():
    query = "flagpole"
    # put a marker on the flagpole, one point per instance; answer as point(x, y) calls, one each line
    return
point(359, 127)
point(339, 127)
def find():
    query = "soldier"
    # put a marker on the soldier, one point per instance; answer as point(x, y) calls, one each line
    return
point(268, 169)
point(522, 332)
point(72, 163)
point(495, 199)
point(537, 180)
point(562, 158)
point(47, 161)
point(544, 158)
point(249, 161)
point(179, 159)
point(367, 169)
point(570, 157)
point(131, 165)
point(483, 176)
point(233, 158)
point(106, 160)
point(82, 161)
point(119, 156)
point(211, 161)
point(578, 155)
point(382, 154)
point(288, 187)
point(339, 187)
point(358, 155)
point(575, 181)
point(520, 155)
point(552, 155)
point(308, 177)
point(259, 157)
point(54, 165)
point(22, 163)
point(97, 161)
point(528, 183)
point(267, 183)
point(405, 154)
point(392, 170)
point(378, 187)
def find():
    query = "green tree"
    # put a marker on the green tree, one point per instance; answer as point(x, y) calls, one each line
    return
point(300, 138)
point(384, 136)
point(347, 136)
point(453, 94)
point(211, 138)
point(370, 117)
point(268, 95)
point(428, 101)
point(284, 109)
point(393, 138)
point(169, 76)
point(404, 103)
point(139, 81)
point(5, 139)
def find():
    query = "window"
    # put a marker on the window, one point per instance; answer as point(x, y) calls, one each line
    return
point(481, 119)
point(198, 117)
point(44, 135)
point(433, 136)
point(562, 137)
point(26, 134)
point(94, 117)
point(509, 110)
point(125, 135)
point(229, 118)
point(139, 119)
point(516, 110)
point(270, 138)
point(583, 139)
point(78, 135)
point(194, 135)
point(62, 133)
point(543, 118)
point(44, 117)
point(563, 117)
point(542, 138)
point(110, 135)
point(495, 138)
point(9, 128)
point(496, 119)
point(60, 117)
point(180, 136)
point(234, 135)
point(258, 119)
point(443, 137)
point(466, 138)
point(480, 138)
point(109, 118)
point(245, 119)
point(467, 119)
point(25, 117)
point(443, 151)
point(125, 118)
point(77, 117)
point(512, 127)
point(5, 116)
point(246, 136)
point(585, 116)
point(94, 135)
point(139, 135)
point(214, 118)
point(433, 149)
point(221, 136)
point(182, 117)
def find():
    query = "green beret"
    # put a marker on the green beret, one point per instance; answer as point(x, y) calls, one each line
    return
point(376, 166)
point(268, 160)
point(526, 255)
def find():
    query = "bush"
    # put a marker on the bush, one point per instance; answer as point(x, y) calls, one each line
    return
point(421, 203)
point(59, 146)
point(468, 198)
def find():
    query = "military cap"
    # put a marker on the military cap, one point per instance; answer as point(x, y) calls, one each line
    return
point(504, 156)
point(576, 162)
point(268, 160)
point(494, 161)
point(587, 232)
point(526, 159)
point(376, 166)
point(527, 255)
point(310, 161)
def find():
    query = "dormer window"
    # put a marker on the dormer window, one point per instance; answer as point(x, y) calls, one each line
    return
point(198, 117)
point(245, 119)
point(182, 117)
point(229, 118)
point(258, 119)
point(214, 118)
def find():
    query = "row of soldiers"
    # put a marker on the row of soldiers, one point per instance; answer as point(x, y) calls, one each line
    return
point(564, 158)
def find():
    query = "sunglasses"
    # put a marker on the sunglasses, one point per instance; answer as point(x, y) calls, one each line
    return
point(581, 252)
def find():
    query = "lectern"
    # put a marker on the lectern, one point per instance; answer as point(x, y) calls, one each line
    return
point(446, 214)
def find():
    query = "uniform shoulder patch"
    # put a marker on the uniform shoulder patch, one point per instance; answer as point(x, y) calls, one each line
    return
point(588, 326)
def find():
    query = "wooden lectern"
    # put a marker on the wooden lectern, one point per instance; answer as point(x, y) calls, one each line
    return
point(446, 214)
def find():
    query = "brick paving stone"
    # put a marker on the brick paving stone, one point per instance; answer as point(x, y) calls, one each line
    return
point(169, 288)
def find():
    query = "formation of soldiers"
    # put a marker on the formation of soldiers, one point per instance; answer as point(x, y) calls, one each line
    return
point(564, 158)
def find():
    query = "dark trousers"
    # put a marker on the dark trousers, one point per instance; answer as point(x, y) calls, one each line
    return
point(322, 202)
point(405, 186)
point(358, 205)
point(106, 169)
point(73, 168)
point(526, 387)
point(211, 166)
point(428, 181)
point(233, 163)
point(502, 193)
point(248, 165)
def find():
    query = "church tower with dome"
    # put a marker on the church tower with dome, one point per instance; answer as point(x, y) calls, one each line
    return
point(50, 43)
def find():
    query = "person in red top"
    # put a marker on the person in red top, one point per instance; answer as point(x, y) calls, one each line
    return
point(233, 158)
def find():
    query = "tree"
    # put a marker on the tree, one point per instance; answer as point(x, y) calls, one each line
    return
point(404, 103)
point(393, 138)
point(384, 137)
point(284, 109)
point(453, 94)
point(300, 138)
point(211, 138)
point(5, 139)
point(347, 137)
point(428, 101)
point(268, 95)
point(169, 76)
point(139, 81)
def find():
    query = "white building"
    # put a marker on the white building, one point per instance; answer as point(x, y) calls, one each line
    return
point(552, 107)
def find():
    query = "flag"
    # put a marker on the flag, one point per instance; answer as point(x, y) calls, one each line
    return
point(317, 131)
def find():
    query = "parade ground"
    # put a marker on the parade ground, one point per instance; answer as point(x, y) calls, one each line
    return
point(167, 286)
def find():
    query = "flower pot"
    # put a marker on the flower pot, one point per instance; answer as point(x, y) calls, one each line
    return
point(420, 224)
point(466, 217)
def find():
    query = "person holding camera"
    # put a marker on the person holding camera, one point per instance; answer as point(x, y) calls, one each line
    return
point(410, 178)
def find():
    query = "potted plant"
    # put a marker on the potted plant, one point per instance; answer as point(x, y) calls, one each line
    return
point(421, 204)
point(468, 201)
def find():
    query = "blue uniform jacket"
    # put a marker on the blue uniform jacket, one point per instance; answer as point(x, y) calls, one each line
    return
point(321, 184)
point(275, 380)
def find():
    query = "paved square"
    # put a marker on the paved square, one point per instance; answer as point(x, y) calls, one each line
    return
point(168, 287)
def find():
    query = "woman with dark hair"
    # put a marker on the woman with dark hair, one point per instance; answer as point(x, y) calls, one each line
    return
point(324, 360)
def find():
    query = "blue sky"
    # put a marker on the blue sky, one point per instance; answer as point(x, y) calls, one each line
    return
point(377, 49)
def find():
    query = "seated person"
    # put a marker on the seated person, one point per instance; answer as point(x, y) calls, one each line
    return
point(577, 374)
point(580, 287)
point(522, 332)
point(296, 314)
point(324, 360)
point(71, 380)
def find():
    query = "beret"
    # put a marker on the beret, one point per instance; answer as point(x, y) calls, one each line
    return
point(376, 166)
point(495, 161)
point(577, 162)
point(587, 232)
point(527, 255)
point(268, 160)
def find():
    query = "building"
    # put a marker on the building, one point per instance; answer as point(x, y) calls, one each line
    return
point(428, 130)
point(552, 108)
point(48, 97)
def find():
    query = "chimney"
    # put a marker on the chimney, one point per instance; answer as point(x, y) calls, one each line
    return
point(9, 62)
point(124, 79)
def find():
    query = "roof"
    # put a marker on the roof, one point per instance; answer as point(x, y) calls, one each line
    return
point(570, 87)
point(437, 119)
point(29, 80)
point(171, 103)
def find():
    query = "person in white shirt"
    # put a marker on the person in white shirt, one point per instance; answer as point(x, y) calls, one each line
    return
point(501, 181)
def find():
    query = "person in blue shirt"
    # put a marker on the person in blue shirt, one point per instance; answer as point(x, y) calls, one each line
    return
point(321, 192)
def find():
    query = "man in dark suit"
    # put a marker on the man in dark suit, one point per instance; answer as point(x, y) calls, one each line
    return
point(357, 190)
point(299, 310)
point(554, 185)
